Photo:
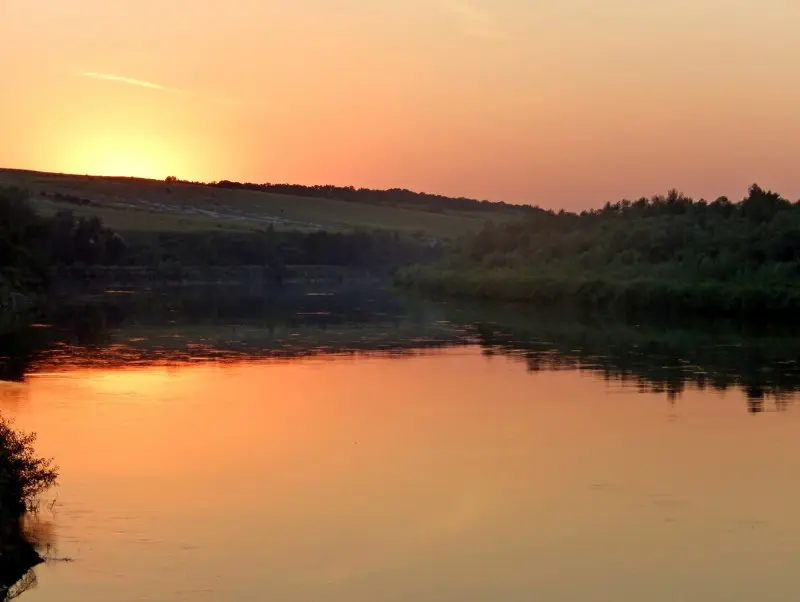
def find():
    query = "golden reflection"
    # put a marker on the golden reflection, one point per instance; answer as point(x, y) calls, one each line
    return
point(142, 381)
point(12, 393)
point(443, 475)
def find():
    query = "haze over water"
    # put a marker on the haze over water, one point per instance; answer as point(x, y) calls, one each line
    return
point(454, 467)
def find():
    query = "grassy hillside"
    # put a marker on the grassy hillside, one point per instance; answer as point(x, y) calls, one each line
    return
point(133, 204)
point(36, 251)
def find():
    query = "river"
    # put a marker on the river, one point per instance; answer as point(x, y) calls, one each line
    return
point(360, 447)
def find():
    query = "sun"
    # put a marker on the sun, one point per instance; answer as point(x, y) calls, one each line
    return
point(131, 156)
point(120, 157)
point(121, 150)
point(123, 162)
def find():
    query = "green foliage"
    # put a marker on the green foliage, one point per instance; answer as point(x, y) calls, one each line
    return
point(662, 253)
point(31, 246)
point(278, 249)
point(30, 243)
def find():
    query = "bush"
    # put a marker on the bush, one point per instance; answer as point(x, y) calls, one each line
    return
point(664, 253)
point(23, 475)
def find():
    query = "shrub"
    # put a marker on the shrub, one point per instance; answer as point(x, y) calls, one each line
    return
point(23, 475)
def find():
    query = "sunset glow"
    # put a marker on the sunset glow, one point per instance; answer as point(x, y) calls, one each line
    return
point(565, 104)
point(140, 157)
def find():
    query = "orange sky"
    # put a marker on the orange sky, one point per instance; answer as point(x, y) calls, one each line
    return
point(564, 103)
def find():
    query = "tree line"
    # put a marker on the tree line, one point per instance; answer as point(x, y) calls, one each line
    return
point(435, 203)
point(660, 252)
point(31, 243)
point(32, 246)
point(277, 249)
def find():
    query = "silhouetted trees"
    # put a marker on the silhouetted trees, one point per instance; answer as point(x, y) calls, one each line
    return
point(434, 203)
point(277, 249)
point(30, 244)
point(23, 478)
point(667, 250)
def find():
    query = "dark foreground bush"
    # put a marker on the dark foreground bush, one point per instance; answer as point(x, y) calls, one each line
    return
point(23, 475)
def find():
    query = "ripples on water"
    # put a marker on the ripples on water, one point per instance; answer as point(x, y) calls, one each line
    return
point(509, 455)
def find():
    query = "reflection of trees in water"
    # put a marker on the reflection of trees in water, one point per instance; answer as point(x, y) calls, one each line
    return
point(88, 327)
point(25, 543)
point(221, 324)
point(651, 358)
point(224, 324)
point(25, 583)
point(298, 304)
point(31, 544)
point(18, 557)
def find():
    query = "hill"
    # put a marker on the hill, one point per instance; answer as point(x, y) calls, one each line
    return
point(36, 250)
point(134, 204)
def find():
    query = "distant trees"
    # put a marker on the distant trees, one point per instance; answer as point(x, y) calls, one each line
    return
point(277, 249)
point(32, 245)
point(668, 247)
point(433, 203)
point(669, 231)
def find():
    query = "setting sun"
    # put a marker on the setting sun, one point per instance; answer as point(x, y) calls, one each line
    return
point(120, 161)
point(116, 147)
point(503, 100)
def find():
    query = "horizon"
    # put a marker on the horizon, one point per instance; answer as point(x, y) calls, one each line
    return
point(591, 204)
point(596, 205)
point(561, 105)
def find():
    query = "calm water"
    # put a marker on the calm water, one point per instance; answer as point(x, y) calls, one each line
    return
point(357, 448)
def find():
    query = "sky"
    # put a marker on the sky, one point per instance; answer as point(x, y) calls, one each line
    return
point(561, 103)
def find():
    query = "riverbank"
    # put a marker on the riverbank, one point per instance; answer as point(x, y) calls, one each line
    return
point(664, 254)
point(752, 297)
point(23, 478)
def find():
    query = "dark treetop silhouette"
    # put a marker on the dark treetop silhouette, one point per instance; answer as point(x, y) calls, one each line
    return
point(664, 253)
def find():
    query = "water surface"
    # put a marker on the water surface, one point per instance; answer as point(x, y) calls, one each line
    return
point(410, 452)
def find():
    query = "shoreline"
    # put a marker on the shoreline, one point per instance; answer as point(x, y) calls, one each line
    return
point(746, 298)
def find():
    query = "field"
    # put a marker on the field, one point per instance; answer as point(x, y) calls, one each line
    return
point(128, 204)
